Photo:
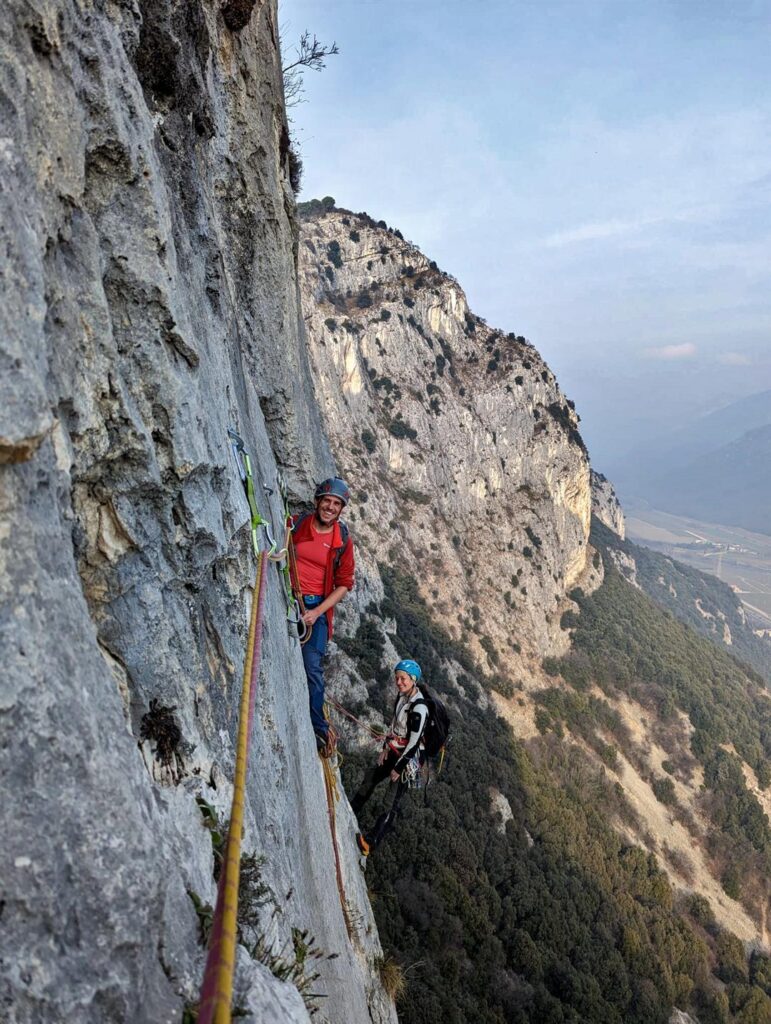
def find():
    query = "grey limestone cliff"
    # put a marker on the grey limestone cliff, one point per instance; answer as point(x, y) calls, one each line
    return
point(605, 504)
point(147, 248)
point(466, 456)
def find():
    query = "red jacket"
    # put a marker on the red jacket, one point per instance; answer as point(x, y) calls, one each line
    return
point(343, 575)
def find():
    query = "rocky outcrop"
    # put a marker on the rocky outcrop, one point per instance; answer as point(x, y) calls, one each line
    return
point(149, 303)
point(463, 452)
point(606, 506)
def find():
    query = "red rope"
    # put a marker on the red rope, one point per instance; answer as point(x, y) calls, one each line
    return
point(362, 725)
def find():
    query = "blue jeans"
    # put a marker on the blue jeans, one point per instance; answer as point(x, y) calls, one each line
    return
point(313, 657)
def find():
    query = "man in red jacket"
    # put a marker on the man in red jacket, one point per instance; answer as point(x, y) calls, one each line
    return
point(325, 570)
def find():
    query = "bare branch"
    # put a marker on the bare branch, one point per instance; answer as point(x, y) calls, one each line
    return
point(311, 55)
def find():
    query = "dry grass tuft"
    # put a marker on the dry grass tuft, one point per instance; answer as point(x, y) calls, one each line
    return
point(391, 976)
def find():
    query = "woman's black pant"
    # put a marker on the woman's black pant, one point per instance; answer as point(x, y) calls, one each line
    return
point(373, 777)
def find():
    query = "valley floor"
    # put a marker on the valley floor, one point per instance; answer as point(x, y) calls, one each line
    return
point(737, 557)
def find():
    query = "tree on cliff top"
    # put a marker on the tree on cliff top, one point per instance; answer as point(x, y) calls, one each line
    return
point(311, 54)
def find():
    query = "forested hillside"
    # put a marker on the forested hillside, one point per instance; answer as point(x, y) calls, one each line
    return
point(546, 913)
point(697, 598)
point(625, 644)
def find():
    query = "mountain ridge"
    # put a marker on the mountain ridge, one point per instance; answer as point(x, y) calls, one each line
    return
point(567, 717)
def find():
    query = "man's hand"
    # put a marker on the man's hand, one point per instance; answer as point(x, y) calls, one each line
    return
point(382, 756)
point(310, 616)
point(395, 776)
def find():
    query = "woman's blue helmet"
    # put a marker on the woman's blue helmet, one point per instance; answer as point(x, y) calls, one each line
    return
point(410, 667)
point(335, 487)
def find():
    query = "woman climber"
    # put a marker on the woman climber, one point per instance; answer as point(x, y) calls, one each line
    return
point(401, 758)
point(324, 566)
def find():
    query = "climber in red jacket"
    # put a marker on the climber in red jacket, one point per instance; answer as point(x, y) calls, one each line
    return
point(325, 570)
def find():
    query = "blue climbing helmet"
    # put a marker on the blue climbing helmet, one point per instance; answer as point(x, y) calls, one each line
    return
point(410, 667)
point(335, 487)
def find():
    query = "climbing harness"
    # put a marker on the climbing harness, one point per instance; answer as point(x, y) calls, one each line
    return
point(292, 583)
point(411, 774)
point(217, 987)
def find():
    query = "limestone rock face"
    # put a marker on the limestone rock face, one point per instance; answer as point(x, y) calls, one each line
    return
point(149, 303)
point(606, 506)
point(464, 455)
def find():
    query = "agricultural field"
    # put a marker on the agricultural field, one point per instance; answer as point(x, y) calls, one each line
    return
point(738, 557)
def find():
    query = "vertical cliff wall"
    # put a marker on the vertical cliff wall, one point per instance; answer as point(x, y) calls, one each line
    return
point(605, 504)
point(149, 302)
point(460, 444)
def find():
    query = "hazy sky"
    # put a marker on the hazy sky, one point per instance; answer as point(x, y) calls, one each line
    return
point(597, 175)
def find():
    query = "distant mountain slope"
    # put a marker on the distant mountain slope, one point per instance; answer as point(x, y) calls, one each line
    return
point(662, 453)
point(722, 426)
point(731, 484)
point(699, 599)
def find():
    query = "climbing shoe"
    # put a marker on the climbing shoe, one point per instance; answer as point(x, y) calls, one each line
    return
point(363, 845)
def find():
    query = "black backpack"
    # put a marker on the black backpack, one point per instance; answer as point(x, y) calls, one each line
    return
point(437, 730)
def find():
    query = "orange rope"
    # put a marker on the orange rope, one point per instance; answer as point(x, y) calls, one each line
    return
point(362, 725)
point(330, 784)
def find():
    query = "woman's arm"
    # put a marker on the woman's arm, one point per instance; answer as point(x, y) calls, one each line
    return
point(417, 723)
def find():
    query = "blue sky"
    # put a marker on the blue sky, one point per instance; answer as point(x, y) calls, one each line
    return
point(597, 175)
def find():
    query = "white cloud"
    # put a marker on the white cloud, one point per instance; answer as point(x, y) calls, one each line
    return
point(598, 230)
point(684, 351)
point(734, 359)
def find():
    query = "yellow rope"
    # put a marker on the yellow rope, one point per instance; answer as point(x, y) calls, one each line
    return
point(225, 951)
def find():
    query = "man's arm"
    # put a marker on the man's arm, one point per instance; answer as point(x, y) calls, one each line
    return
point(329, 602)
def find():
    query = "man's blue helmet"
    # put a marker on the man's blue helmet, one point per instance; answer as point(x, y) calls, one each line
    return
point(335, 487)
point(410, 667)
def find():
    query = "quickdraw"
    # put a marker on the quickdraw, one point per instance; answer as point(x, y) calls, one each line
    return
point(274, 553)
point(289, 574)
point(413, 775)
point(244, 467)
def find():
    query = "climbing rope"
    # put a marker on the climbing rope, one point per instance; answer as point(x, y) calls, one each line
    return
point(379, 736)
point(217, 987)
point(333, 795)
